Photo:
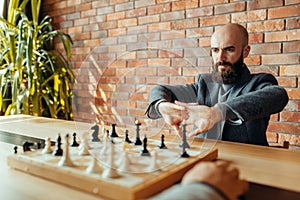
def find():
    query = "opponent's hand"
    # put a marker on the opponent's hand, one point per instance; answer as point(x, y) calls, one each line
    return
point(203, 117)
point(172, 114)
point(220, 175)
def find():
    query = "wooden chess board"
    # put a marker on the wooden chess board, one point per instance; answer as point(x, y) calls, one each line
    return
point(137, 184)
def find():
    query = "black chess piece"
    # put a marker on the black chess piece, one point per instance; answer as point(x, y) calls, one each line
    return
point(162, 144)
point(127, 137)
point(113, 131)
point(27, 145)
point(15, 149)
point(145, 151)
point(137, 139)
point(58, 151)
point(184, 142)
point(74, 143)
point(184, 154)
point(95, 134)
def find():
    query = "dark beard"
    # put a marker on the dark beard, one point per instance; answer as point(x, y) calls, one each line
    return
point(229, 76)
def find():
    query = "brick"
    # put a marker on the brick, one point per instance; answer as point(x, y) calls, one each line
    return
point(274, 117)
point(214, 20)
point(176, 53)
point(291, 46)
point(158, 9)
point(127, 22)
point(196, 52)
point(292, 106)
point(290, 116)
point(160, 44)
point(253, 60)
point(105, 10)
point(256, 38)
point(272, 137)
point(97, 19)
point(81, 22)
point(127, 39)
point(145, 37)
point(230, 8)
point(293, 139)
point(185, 43)
point(150, 71)
point(287, 2)
point(148, 19)
point(179, 80)
point(70, 16)
point(168, 35)
point(116, 32)
point(99, 4)
point(184, 24)
point(143, 3)
point(266, 26)
point(287, 81)
point(284, 127)
point(107, 25)
point(283, 59)
point(113, 2)
point(290, 70)
point(266, 69)
point(90, 28)
point(135, 80)
point(117, 48)
point(84, 7)
point(136, 12)
point(172, 16)
point(115, 16)
point(249, 16)
point(282, 36)
point(168, 71)
point(210, 2)
point(294, 94)
point(157, 80)
point(159, 62)
point(283, 12)
point(124, 6)
point(199, 12)
point(91, 43)
point(147, 54)
point(137, 29)
point(159, 27)
point(259, 4)
point(182, 5)
point(77, 29)
point(137, 63)
point(292, 23)
point(199, 32)
point(265, 48)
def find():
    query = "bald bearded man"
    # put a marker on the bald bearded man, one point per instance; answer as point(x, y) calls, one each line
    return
point(230, 103)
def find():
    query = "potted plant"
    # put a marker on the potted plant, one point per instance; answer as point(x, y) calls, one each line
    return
point(35, 78)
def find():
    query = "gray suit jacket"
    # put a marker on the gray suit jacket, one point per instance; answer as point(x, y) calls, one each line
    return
point(247, 108)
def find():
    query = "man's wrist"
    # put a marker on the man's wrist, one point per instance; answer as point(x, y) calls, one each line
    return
point(157, 104)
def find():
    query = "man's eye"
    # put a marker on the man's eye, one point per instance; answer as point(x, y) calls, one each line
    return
point(230, 50)
point(215, 50)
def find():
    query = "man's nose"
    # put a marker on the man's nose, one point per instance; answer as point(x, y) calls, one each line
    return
point(221, 56)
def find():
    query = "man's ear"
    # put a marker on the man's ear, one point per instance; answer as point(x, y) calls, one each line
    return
point(246, 51)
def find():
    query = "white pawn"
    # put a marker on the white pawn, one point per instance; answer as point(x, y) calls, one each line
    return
point(111, 171)
point(65, 159)
point(105, 148)
point(84, 145)
point(125, 162)
point(47, 148)
point(154, 165)
point(94, 167)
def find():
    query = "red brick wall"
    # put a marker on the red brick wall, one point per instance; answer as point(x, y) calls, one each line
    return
point(123, 47)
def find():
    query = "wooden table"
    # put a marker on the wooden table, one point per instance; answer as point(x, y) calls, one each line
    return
point(271, 171)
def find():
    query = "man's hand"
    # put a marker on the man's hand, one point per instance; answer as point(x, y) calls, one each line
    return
point(218, 174)
point(172, 114)
point(203, 117)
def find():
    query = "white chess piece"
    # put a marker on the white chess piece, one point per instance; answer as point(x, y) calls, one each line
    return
point(47, 148)
point(65, 159)
point(125, 162)
point(94, 167)
point(84, 145)
point(111, 171)
point(154, 165)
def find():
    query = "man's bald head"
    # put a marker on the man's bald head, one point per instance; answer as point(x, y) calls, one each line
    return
point(233, 30)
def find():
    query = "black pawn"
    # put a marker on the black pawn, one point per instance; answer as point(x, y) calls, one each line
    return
point(58, 151)
point(145, 151)
point(15, 149)
point(184, 142)
point(113, 131)
point(74, 144)
point(184, 154)
point(137, 139)
point(162, 144)
point(127, 137)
